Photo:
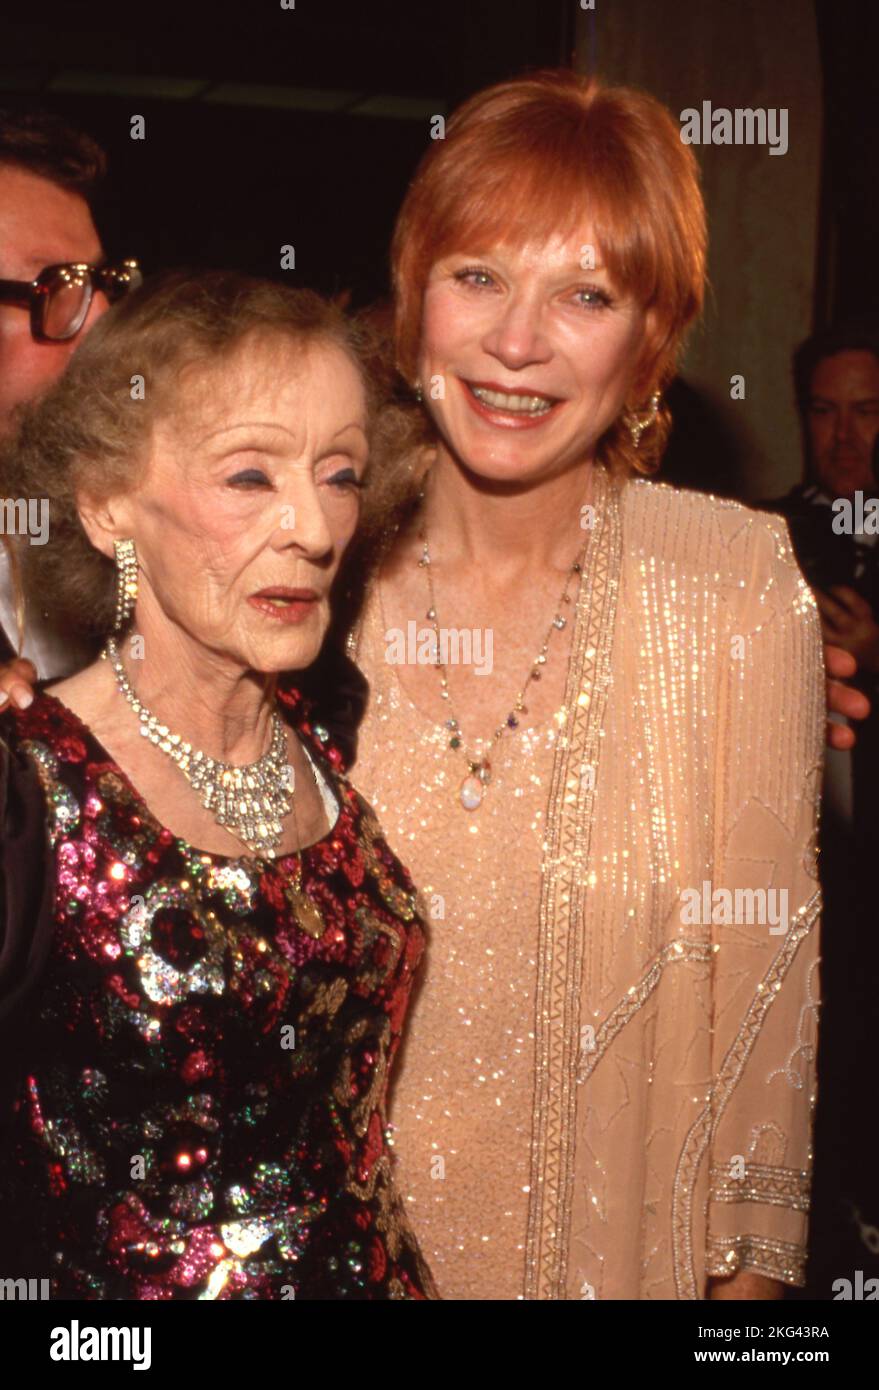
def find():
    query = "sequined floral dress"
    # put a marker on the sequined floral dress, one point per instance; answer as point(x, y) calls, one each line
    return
point(201, 1107)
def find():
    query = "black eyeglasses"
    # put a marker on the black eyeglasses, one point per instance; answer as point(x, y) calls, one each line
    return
point(61, 296)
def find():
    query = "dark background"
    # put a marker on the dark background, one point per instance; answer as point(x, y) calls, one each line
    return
point(227, 177)
point(222, 181)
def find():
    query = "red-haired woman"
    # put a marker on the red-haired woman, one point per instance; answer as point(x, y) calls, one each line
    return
point(606, 783)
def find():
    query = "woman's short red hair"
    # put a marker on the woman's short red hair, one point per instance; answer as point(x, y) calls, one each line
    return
point(529, 159)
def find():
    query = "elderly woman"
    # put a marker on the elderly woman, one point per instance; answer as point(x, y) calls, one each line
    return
point(600, 752)
point(203, 986)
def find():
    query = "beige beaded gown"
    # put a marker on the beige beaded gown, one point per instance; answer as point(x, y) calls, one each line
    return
point(608, 1083)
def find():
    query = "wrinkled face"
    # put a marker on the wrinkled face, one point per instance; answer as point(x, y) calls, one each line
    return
point(249, 497)
point(843, 421)
point(533, 354)
point(40, 224)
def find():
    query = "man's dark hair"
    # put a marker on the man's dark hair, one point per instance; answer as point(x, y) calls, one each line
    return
point(850, 335)
point(44, 144)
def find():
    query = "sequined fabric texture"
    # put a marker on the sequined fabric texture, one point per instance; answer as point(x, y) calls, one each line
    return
point(604, 1093)
point(203, 1114)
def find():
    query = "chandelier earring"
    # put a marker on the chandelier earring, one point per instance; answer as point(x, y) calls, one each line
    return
point(637, 424)
point(126, 581)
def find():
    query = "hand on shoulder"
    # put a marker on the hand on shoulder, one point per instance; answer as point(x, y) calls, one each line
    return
point(17, 681)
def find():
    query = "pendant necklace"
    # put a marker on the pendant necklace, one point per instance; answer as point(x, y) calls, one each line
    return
point(473, 787)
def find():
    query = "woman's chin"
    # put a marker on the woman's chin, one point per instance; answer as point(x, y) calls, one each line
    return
point(301, 655)
point(508, 462)
point(294, 652)
point(507, 471)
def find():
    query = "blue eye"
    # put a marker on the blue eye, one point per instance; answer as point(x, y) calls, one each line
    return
point(248, 477)
point(475, 276)
point(599, 298)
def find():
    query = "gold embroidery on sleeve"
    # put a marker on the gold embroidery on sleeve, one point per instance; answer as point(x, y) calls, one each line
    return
point(705, 1126)
point(762, 1182)
point(777, 1259)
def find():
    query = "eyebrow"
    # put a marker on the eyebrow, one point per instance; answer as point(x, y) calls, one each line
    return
point(273, 425)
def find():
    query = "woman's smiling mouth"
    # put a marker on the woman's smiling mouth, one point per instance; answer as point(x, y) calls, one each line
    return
point(511, 409)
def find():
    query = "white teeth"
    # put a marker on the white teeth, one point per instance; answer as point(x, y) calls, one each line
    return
point(525, 405)
point(279, 602)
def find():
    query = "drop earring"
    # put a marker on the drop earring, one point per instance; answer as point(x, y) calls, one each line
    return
point(126, 581)
point(639, 423)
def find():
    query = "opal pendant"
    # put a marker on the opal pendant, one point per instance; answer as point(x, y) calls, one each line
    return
point(471, 793)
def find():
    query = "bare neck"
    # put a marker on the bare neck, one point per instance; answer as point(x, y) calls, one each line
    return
point(502, 528)
point(213, 703)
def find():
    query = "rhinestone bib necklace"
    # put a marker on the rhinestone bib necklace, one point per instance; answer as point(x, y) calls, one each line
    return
point(250, 801)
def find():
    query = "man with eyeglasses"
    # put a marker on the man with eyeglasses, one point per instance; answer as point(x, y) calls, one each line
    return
point(54, 284)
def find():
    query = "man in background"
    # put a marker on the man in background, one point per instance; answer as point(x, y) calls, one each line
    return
point(836, 378)
point(833, 531)
point(54, 285)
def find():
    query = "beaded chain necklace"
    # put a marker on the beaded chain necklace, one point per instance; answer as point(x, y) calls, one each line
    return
point(472, 789)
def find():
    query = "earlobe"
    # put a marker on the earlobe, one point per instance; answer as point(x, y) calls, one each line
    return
point(100, 524)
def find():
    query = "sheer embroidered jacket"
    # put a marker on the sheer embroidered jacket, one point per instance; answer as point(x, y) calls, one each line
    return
point(613, 1050)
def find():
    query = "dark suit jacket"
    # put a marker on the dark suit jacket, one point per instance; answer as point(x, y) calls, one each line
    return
point(828, 558)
